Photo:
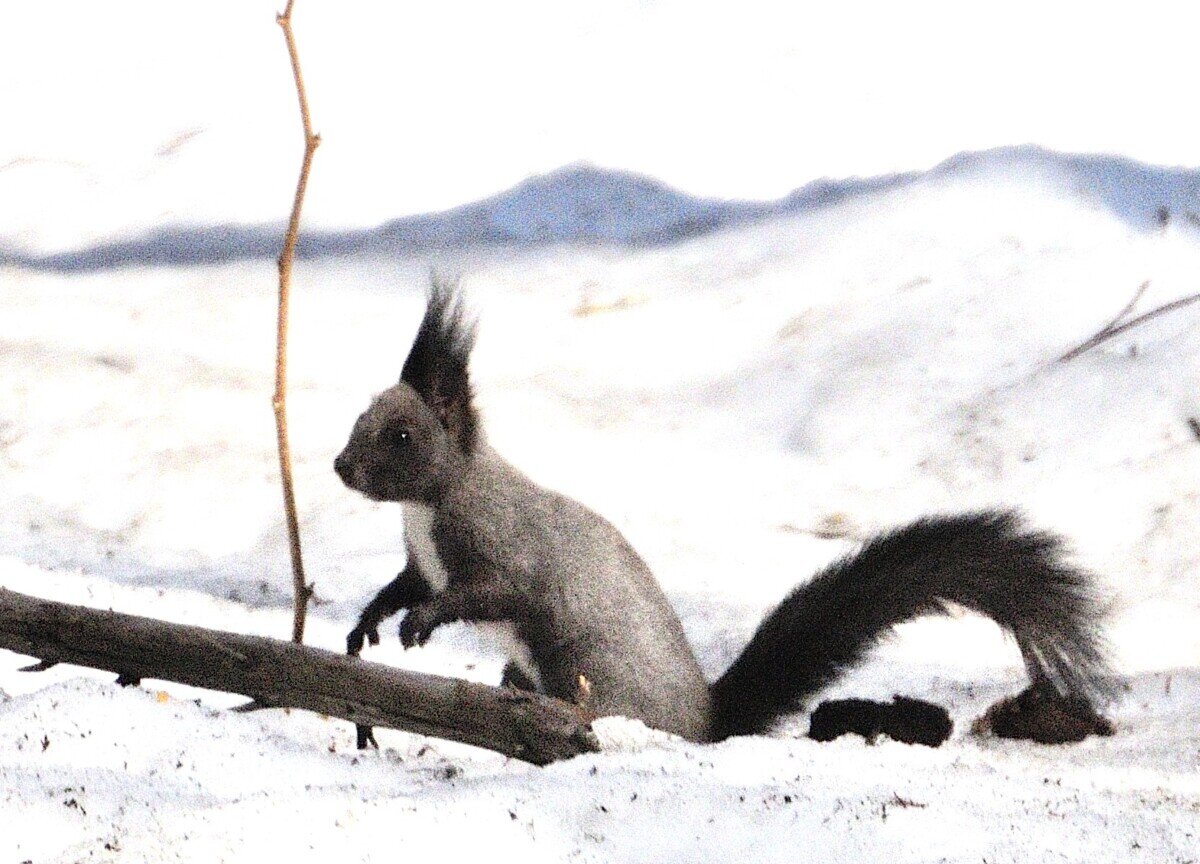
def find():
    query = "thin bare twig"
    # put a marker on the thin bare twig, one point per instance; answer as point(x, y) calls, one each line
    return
point(1113, 328)
point(1137, 295)
point(1104, 331)
point(302, 590)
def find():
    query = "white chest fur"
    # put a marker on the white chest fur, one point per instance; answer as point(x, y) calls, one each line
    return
point(418, 539)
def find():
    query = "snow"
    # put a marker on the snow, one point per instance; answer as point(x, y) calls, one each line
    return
point(746, 369)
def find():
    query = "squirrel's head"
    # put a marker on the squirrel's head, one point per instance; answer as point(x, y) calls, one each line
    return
point(419, 433)
point(398, 451)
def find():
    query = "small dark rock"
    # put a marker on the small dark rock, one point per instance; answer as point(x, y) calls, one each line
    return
point(1039, 715)
point(910, 721)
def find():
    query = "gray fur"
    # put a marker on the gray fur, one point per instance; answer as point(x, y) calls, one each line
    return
point(586, 606)
point(575, 591)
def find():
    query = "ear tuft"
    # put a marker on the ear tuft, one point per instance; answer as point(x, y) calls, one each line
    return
point(436, 367)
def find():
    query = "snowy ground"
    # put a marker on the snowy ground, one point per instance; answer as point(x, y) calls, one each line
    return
point(725, 400)
point(746, 389)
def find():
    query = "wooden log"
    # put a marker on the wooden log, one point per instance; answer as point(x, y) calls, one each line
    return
point(526, 726)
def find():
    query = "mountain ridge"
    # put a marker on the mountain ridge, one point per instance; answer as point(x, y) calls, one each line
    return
point(587, 205)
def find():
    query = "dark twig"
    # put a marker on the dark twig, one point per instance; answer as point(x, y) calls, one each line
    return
point(1113, 328)
point(1137, 295)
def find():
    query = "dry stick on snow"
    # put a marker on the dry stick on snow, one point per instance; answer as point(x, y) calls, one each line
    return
point(1106, 330)
point(302, 590)
point(526, 726)
point(1133, 301)
point(1112, 328)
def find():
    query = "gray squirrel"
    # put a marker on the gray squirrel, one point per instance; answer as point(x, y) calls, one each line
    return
point(488, 546)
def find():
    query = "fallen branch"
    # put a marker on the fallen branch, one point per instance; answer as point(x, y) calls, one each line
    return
point(278, 674)
point(302, 591)
point(1113, 327)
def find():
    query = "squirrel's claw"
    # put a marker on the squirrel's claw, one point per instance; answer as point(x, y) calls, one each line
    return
point(356, 637)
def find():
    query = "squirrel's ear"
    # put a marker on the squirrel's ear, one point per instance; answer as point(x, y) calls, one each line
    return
point(436, 367)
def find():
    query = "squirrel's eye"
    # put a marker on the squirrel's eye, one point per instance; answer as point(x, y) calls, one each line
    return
point(397, 438)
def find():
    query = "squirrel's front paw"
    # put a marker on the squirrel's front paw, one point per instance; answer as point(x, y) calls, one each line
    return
point(362, 632)
point(419, 623)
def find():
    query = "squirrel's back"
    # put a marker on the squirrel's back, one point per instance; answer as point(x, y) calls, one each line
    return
point(592, 606)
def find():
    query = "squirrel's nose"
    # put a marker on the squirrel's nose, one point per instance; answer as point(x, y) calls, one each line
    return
point(342, 466)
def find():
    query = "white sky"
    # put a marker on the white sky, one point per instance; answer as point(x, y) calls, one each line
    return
point(425, 106)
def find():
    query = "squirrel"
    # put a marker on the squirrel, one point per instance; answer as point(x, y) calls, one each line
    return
point(488, 546)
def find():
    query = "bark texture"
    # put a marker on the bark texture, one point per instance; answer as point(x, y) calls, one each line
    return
point(526, 726)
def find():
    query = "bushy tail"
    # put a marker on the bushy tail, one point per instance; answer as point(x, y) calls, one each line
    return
point(987, 562)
